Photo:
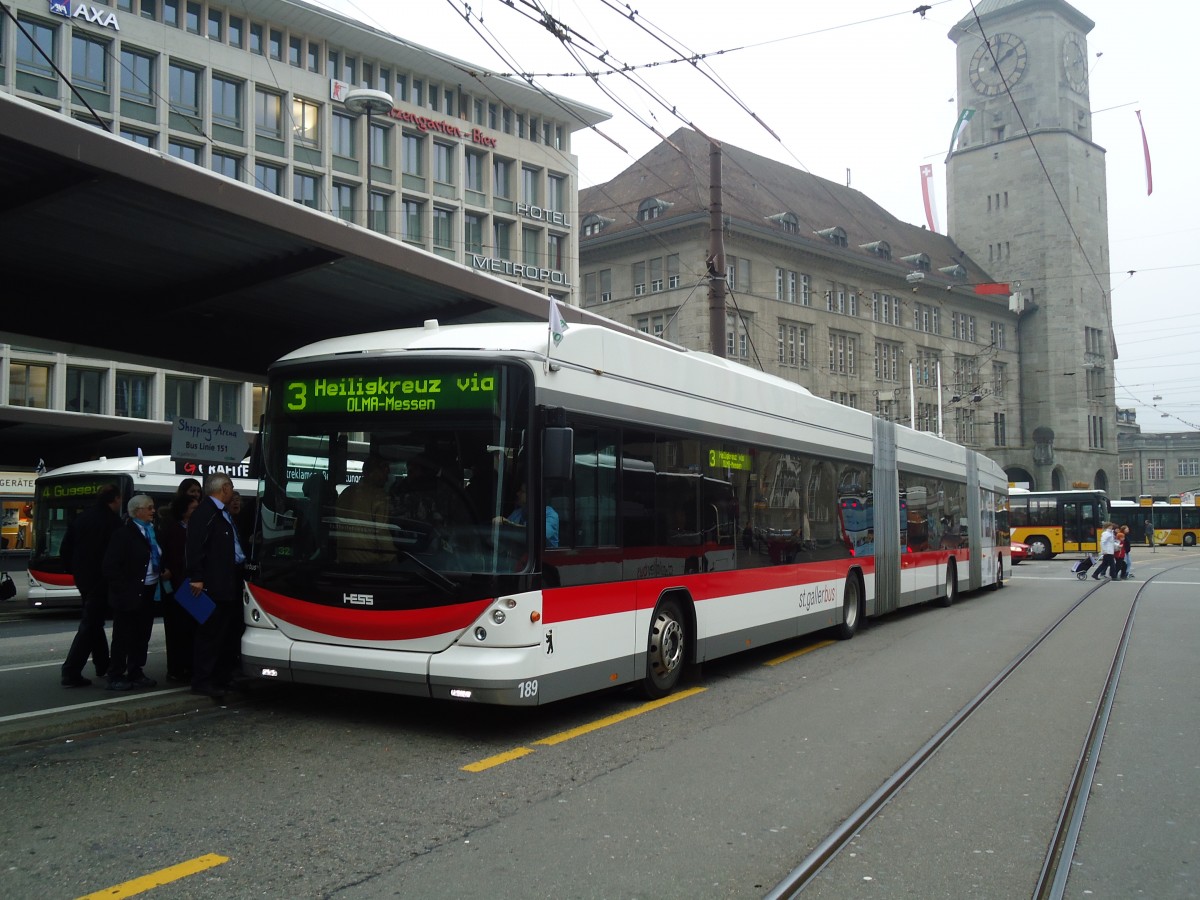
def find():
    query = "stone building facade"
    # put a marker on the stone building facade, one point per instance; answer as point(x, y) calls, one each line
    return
point(825, 288)
point(1027, 378)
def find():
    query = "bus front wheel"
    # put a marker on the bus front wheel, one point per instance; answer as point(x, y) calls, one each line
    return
point(1189, 539)
point(665, 651)
point(1039, 547)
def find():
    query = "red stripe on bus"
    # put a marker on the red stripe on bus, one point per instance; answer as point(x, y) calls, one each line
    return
point(58, 579)
point(572, 603)
point(586, 601)
point(365, 624)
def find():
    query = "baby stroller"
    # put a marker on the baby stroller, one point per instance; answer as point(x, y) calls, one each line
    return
point(1081, 568)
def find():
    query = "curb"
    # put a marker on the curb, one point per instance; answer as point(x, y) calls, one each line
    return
point(107, 714)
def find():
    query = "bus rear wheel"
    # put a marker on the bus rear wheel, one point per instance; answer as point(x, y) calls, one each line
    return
point(999, 582)
point(1189, 539)
point(951, 584)
point(851, 609)
point(665, 651)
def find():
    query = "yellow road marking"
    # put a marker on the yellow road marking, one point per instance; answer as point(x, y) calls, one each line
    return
point(782, 659)
point(619, 717)
point(497, 760)
point(159, 878)
point(552, 740)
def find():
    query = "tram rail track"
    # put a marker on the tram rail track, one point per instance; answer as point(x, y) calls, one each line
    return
point(1052, 878)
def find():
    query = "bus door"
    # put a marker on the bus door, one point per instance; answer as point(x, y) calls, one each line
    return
point(1079, 525)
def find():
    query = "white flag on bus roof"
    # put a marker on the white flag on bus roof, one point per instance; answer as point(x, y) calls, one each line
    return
point(558, 325)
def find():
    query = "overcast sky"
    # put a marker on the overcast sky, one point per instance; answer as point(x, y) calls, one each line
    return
point(866, 90)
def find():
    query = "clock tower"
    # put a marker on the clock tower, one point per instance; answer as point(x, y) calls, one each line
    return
point(1027, 199)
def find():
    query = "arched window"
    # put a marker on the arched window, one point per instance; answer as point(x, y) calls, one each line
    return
point(882, 249)
point(652, 208)
point(835, 235)
point(594, 224)
point(787, 221)
point(919, 261)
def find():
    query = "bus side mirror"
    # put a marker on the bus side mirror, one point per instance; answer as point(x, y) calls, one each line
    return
point(558, 453)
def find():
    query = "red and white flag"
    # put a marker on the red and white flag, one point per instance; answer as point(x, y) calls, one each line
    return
point(993, 287)
point(1146, 152)
point(927, 195)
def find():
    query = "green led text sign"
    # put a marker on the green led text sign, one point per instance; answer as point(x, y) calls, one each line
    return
point(73, 488)
point(415, 393)
point(727, 459)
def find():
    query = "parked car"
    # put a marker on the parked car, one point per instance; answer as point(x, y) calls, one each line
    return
point(1019, 552)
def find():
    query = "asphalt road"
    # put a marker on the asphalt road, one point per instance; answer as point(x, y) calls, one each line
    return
point(308, 793)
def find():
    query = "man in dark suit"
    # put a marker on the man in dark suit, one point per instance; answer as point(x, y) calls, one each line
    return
point(214, 561)
point(132, 567)
point(82, 552)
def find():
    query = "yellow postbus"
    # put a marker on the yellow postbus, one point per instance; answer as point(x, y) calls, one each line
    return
point(1053, 522)
point(1176, 522)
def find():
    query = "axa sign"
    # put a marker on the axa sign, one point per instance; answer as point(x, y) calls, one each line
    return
point(105, 18)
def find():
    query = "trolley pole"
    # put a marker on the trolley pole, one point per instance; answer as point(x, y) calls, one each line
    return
point(716, 254)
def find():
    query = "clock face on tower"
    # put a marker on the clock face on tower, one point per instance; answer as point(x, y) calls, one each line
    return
point(1075, 63)
point(999, 62)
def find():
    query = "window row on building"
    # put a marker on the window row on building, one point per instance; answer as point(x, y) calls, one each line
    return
point(1156, 468)
point(403, 175)
point(893, 366)
point(39, 380)
point(662, 273)
point(304, 52)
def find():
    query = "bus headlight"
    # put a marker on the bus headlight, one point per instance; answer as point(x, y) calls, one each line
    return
point(480, 633)
point(498, 616)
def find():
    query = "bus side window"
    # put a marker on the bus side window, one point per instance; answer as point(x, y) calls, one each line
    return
point(593, 514)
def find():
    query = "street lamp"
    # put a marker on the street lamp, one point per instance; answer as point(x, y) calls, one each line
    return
point(367, 100)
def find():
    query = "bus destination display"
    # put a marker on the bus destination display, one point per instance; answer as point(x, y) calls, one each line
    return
point(409, 393)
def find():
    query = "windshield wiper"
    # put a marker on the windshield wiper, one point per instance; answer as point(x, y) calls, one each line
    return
point(430, 575)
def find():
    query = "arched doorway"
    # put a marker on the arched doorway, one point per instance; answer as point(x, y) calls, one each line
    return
point(1018, 475)
point(1100, 480)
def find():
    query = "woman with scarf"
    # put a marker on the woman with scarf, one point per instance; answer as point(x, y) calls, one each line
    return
point(132, 567)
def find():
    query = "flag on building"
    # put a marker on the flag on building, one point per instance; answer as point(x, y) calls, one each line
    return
point(930, 200)
point(558, 325)
point(1146, 153)
point(960, 127)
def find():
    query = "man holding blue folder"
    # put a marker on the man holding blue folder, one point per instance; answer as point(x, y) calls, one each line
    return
point(214, 558)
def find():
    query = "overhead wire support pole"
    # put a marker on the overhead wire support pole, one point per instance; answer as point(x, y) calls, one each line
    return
point(939, 396)
point(716, 254)
point(912, 398)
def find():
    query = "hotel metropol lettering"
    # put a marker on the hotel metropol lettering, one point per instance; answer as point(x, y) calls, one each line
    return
point(549, 216)
point(520, 270)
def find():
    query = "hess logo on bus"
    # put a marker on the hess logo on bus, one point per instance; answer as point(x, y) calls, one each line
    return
point(358, 599)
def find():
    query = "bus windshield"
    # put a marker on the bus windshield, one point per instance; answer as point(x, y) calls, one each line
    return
point(57, 501)
point(402, 477)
